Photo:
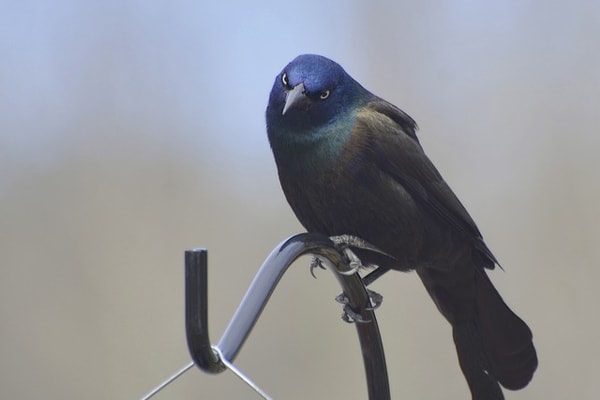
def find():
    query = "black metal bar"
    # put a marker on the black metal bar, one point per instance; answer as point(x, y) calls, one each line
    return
point(196, 312)
point(263, 285)
point(257, 296)
point(378, 385)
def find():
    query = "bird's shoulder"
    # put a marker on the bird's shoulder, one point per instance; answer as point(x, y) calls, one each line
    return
point(380, 113)
point(385, 138)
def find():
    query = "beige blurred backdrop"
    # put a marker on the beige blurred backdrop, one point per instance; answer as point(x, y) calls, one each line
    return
point(131, 131)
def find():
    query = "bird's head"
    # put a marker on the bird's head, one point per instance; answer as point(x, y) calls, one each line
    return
point(310, 92)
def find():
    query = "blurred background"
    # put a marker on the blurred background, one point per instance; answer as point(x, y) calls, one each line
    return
point(131, 131)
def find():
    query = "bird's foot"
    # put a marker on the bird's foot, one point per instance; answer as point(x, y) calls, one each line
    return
point(354, 241)
point(349, 315)
point(375, 298)
point(315, 263)
point(345, 242)
point(354, 262)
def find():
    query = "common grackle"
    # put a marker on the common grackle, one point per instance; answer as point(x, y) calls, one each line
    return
point(350, 163)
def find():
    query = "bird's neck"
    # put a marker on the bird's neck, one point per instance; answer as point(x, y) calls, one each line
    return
point(313, 150)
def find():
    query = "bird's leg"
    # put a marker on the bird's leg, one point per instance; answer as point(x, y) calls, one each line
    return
point(354, 241)
point(354, 262)
point(374, 275)
point(375, 298)
point(343, 243)
point(349, 315)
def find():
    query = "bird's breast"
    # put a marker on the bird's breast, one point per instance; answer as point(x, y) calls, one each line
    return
point(346, 198)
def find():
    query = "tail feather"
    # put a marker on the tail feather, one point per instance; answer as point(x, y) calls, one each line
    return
point(494, 346)
point(507, 340)
point(473, 363)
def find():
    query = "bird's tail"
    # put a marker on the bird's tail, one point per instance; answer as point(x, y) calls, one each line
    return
point(494, 345)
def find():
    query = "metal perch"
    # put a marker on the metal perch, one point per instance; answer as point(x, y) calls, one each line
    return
point(216, 358)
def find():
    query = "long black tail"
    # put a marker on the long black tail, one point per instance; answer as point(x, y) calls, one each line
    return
point(507, 340)
point(493, 344)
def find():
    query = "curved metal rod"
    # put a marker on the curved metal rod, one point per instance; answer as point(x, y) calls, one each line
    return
point(196, 312)
point(257, 296)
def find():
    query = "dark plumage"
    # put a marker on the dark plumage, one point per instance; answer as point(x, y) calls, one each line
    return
point(351, 163)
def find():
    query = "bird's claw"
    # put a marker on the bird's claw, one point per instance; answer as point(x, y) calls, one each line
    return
point(345, 242)
point(353, 262)
point(375, 298)
point(349, 315)
point(314, 264)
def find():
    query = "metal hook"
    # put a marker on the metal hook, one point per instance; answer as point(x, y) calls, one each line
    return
point(209, 359)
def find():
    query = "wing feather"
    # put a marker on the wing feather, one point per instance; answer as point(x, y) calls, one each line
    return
point(393, 145)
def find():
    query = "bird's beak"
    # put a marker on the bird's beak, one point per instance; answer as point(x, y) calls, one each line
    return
point(295, 98)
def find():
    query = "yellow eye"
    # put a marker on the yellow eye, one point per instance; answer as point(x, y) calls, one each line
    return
point(324, 95)
point(284, 80)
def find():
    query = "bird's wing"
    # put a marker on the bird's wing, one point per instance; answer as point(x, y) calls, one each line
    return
point(393, 146)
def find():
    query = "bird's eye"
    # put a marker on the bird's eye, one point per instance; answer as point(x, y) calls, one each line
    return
point(324, 95)
point(284, 80)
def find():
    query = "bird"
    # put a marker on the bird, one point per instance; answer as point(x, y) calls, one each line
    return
point(350, 163)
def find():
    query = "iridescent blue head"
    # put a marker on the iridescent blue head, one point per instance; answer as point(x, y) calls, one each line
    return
point(311, 92)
